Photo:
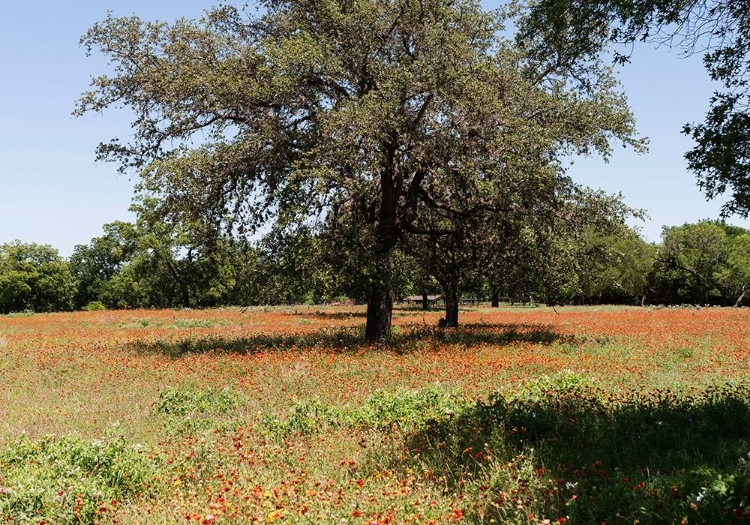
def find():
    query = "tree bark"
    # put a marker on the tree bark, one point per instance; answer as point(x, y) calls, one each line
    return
point(185, 293)
point(496, 299)
point(379, 314)
point(451, 307)
point(181, 284)
point(738, 302)
point(380, 301)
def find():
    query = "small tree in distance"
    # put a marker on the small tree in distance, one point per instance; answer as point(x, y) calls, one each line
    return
point(34, 277)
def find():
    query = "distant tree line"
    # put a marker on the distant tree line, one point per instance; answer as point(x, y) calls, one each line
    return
point(154, 264)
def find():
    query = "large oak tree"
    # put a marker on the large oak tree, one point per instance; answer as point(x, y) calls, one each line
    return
point(383, 111)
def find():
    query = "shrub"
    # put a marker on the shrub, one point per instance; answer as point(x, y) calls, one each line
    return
point(193, 323)
point(69, 480)
point(94, 306)
point(407, 409)
point(305, 418)
point(189, 411)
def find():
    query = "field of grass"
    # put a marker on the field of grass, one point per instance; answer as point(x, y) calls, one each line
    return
point(608, 415)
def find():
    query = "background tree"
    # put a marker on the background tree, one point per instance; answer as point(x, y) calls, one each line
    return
point(464, 243)
point(34, 277)
point(178, 261)
point(718, 28)
point(735, 278)
point(562, 240)
point(96, 264)
point(689, 262)
point(616, 266)
point(383, 109)
point(534, 244)
point(295, 268)
point(158, 261)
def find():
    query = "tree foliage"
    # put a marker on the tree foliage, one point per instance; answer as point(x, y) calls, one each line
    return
point(718, 28)
point(615, 267)
point(156, 262)
point(34, 277)
point(538, 250)
point(97, 265)
point(702, 263)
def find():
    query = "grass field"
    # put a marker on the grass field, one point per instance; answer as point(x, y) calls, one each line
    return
point(595, 415)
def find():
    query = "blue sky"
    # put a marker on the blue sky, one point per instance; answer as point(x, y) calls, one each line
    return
point(53, 192)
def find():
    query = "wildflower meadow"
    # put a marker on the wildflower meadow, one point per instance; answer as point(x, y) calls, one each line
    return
point(284, 415)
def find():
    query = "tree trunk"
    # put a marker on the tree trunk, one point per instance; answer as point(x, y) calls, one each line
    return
point(185, 293)
point(181, 284)
point(380, 301)
point(738, 302)
point(425, 301)
point(379, 314)
point(451, 307)
point(496, 299)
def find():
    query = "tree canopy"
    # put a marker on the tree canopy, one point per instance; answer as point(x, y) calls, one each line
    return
point(34, 277)
point(720, 29)
point(399, 118)
point(702, 263)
